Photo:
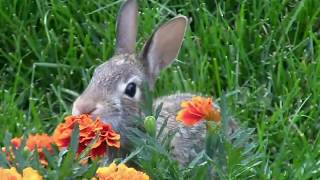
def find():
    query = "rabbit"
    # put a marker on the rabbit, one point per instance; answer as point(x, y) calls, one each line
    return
point(115, 91)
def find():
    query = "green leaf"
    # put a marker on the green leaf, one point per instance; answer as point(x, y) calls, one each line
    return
point(3, 160)
point(51, 159)
point(86, 151)
point(147, 104)
point(67, 165)
point(91, 171)
point(19, 158)
point(35, 160)
point(158, 110)
point(7, 141)
point(164, 124)
point(74, 142)
point(132, 154)
point(201, 172)
point(197, 159)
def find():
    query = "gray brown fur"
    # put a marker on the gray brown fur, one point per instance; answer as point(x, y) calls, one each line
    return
point(105, 97)
point(188, 141)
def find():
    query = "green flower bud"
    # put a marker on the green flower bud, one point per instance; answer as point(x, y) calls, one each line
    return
point(150, 125)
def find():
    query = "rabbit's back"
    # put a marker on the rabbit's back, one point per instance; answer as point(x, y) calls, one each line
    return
point(187, 141)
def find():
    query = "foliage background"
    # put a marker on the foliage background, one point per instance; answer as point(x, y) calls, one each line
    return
point(264, 55)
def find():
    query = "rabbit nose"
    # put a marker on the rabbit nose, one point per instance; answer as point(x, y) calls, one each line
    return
point(82, 107)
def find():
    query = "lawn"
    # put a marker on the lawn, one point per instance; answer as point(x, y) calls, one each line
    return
point(259, 59)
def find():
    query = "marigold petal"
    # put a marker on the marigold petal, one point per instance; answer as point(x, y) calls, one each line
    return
point(113, 143)
point(214, 115)
point(31, 174)
point(10, 174)
point(197, 109)
point(89, 130)
point(37, 140)
point(106, 170)
point(99, 151)
point(16, 142)
point(187, 118)
point(120, 172)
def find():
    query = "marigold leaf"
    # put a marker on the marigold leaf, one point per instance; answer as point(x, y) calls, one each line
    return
point(158, 110)
point(51, 161)
point(86, 151)
point(18, 158)
point(3, 160)
point(132, 155)
point(74, 144)
point(164, 124)
point(35, 160)
point(67, 165)
point(91, 171)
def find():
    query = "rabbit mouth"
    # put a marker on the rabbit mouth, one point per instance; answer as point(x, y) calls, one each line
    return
point(114, 120)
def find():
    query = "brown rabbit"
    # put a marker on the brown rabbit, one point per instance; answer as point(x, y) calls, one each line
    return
point(115, 90)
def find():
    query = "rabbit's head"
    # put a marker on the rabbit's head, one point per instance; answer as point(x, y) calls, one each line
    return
point(115, 90)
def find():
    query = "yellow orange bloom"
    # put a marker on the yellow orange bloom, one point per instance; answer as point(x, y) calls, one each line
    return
point(30, 174)
point(197, 109)
point(89, 129)
point(12, 174)
point(38, 140)
point(120, 172)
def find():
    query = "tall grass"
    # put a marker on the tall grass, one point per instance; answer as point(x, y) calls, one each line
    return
point(263, 55)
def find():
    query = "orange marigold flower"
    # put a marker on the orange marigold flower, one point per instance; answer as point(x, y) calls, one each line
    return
point(120, 172)
point(197, 109)
point(12, 174)
point(38, 140)
point(16, 143)
point(89, 129)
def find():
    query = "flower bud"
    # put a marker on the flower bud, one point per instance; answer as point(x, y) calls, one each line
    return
point(150, 125)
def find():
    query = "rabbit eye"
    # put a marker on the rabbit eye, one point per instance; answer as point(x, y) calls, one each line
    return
point(131, 89)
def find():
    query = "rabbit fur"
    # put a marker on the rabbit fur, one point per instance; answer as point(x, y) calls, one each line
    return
point(107, 93)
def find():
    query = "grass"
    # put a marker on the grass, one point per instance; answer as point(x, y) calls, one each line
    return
point(263, 55)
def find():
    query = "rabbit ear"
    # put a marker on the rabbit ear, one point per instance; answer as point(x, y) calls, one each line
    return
point(127, 27)
point(163, 47)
